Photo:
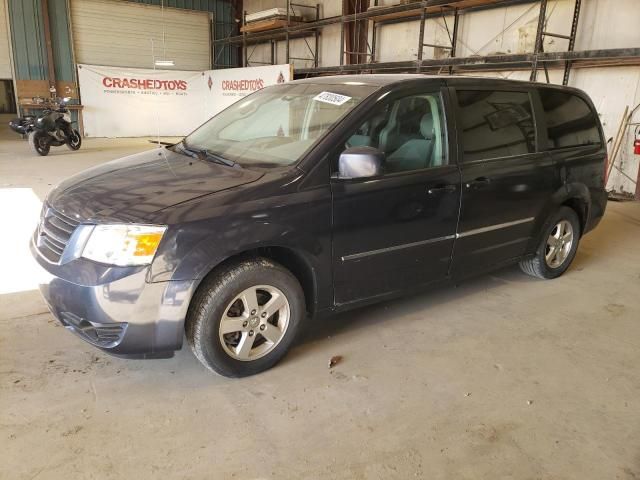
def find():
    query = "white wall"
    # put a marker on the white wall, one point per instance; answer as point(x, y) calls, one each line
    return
point(603, 24)
point(612, 89)
point(329, 43)
point(510, 30)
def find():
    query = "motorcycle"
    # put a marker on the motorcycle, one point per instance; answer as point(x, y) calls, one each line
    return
point(22, 125)
point(52, 128)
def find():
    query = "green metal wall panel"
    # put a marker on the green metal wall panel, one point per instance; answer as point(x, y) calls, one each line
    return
point(27, 37)
point(61, 40)
point(28, 42)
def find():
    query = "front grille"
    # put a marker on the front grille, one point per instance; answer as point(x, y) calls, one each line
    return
point(54, 232)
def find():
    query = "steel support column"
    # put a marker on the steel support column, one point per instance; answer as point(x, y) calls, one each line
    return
point(454, 35)
point(572, 40)
point(539, 39)
point(423, 15)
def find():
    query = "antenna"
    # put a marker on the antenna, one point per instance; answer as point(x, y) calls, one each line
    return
point(153, 59)
point(163, 62)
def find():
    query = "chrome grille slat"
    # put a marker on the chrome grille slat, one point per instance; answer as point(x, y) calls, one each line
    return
point(54, 233)
point(66, 219)
point(56, 237)
point(62, 225)
point(52, 246)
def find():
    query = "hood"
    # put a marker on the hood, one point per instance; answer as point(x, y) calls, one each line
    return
point(132, 188)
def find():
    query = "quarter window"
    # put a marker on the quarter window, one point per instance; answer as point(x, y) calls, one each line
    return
point(496, 124)
point(570, 121)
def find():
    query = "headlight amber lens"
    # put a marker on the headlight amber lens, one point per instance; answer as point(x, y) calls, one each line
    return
point(146, 243)
point(124, 245)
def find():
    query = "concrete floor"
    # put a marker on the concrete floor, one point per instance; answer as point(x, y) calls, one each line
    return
point(503, 377)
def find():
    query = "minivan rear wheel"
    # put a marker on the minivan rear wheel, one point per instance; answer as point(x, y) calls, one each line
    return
point(244, 318)
point(558, 246)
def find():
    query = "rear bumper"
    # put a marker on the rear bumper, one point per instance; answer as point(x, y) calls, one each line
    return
point(599, 200)
point(116, 309)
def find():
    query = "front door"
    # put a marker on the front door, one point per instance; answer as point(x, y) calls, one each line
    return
point(396, 231)
point(506, 181)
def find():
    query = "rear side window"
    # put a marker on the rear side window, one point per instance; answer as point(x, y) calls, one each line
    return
point(570, 121)
point(495, 124)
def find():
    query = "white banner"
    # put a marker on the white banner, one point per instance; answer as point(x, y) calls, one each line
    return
point(133, 102)
point(229, 85)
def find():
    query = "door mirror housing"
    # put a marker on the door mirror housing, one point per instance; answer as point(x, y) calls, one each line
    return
point(360, 162)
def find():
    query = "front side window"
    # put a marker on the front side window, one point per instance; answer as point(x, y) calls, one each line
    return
point(277, 125)
point(570, 121)
point(496, 124)
point(409, 130)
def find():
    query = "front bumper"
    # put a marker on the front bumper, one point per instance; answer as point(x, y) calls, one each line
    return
point(115, 308)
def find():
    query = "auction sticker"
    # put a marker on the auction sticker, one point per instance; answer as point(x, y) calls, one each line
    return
point(332, 98)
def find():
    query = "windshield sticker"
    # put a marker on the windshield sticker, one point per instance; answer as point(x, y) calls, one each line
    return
point(332, 98)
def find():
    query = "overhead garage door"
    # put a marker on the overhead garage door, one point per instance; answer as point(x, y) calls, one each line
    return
point(5, 63)
point(119, 33)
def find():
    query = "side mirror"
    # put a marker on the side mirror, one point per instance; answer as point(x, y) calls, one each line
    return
point(360, 162)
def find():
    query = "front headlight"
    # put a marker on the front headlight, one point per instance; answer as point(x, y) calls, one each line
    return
point(123, 245)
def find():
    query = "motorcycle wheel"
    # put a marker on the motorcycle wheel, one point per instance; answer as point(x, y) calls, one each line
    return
point(39, 143)
point(75, 140)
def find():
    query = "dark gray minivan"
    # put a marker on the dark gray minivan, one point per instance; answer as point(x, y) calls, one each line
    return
point(317, 196)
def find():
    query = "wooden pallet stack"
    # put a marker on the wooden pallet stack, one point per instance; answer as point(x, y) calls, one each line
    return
point(268, 20)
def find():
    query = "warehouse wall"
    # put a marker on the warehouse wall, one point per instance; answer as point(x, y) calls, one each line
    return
point(513, 30)
point(27, 39)
point(5, 51)
point(329, 44)
point(61, 39)
point(133, 35)
point(224, 24)
point(603, 24)
point(29, 49)
point(29, 53)
point(6, 91)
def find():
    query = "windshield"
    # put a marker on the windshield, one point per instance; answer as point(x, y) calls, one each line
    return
point(276, 125)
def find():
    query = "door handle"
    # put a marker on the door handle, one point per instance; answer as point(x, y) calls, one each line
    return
point(442, 189)
point(479, 182)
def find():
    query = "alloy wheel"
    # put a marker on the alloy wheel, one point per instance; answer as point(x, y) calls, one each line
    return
point(559, 244)
point(254, 322)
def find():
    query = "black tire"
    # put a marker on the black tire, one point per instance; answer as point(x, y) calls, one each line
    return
point(39, 143)
point(212, 300)
point(75, 140)
point(537, 266)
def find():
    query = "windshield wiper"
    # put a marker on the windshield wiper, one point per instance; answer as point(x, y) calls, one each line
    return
point(204, 154)
point(221, 160)
point(187, 151)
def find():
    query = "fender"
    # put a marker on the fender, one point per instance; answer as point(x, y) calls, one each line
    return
point(298, 242)
point(298, 222)
point(293, 250)
point(567, 193)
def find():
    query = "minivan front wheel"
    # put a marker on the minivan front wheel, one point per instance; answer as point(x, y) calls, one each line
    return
point(244, 319)
point(558, 246)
